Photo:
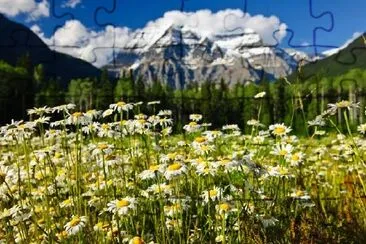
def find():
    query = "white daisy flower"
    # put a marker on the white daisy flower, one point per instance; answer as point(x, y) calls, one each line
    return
point(279, 129)
point(195, 117)
point(282, 149)
point(75, 225)
point(175, 169)
point(122, 206)
point(216, 193)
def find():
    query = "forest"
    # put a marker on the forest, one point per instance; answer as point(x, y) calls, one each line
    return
point(293, 102)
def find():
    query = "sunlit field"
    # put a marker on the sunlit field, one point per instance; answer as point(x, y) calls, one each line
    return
point(119, 176)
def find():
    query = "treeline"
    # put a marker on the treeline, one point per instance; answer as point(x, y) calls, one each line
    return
point(294, 102)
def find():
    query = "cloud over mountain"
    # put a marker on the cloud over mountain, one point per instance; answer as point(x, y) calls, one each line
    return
point(96, 46)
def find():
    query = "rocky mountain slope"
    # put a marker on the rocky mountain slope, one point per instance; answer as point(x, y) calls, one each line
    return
point(178, 56)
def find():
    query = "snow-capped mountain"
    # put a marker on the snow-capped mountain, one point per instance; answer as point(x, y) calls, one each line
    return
point(177, 56)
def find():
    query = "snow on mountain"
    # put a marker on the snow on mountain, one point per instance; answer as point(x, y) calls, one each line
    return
point(178, 55)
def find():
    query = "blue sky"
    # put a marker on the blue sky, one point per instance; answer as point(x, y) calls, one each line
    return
point(349, 16)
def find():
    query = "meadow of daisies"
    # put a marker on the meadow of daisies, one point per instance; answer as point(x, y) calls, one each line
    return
point(120, 176)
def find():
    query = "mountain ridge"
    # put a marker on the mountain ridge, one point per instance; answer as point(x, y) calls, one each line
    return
point(18, 40)
point(352, 56)
point(178, 56)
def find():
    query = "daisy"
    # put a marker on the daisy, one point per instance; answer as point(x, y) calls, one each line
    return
point(152, 171)
point(282, 149)
point(101, 227)
point(343, 104)
point(107, 113)
point(195, 117)
point(224, 208)
point(231, 127)
point(122, 206)
point(77, 118)
point(165, 113)
point(67, 203)
point(75, 225)
point(279, 129)
point(158, 189)
point(175, 209)
point(295, 158)
point(192, 127)
point(318, 121)
point(92, 114)
point(260, 95)
point(121, 106)
point(136, 240)
point(175, 169)
point(214, 194)
point(63, 108)
point(165, 122)
point(39, 111)
point(362, 129)
point(255, 123)
point(173, 224)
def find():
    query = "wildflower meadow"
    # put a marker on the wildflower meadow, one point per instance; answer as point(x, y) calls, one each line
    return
point(121, 176)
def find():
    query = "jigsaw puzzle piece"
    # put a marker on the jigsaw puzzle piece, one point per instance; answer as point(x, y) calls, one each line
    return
point(314, 45)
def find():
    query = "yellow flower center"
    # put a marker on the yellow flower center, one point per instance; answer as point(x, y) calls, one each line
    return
point(192, 123)
point(154, 168)
point(283, 171)
point(75, 221)
point(224, 207)
point(171, 155)
point(283, 152)
point(120, 104)
point(295, 157)
point(299, 193)
point(122, 203)
point(67, 202)
point(279, 130)
point(343, 104)
point(77, 114)
point(200, 139)
point(174, 167)
point(105, 126)
point(102, 146)
point(212, 193)
point(137, 240)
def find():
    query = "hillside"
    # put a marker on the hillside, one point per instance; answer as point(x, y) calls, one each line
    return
point(17, 40)
point(351, 57)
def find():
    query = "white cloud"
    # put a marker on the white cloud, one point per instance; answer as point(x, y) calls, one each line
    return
point(349, 41)
point(207, 23)
point(32, 8)
point(71, 3)
point(97, 46)
point(77, 40)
